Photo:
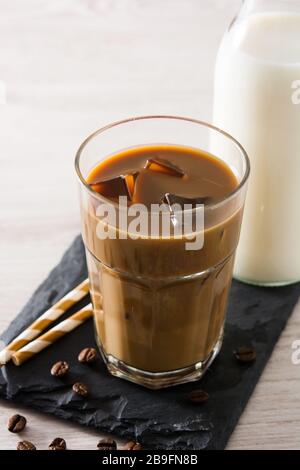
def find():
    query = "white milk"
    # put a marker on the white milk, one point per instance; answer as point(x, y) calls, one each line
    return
point(257, 66)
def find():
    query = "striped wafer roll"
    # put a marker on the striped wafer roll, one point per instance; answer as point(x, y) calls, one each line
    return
point(45, 320)
point(52, 335)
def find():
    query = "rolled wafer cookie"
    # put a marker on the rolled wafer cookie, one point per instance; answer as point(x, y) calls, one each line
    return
point(45, 320)
point(52, 335)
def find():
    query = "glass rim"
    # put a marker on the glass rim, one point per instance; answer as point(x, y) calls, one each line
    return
point(211, 205)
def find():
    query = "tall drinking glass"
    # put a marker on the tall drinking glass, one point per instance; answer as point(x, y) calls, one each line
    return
point(159, 308)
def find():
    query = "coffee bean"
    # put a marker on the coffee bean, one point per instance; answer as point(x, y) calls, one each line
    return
point(58, 444)
point(16, 423)
point(87, 355)
point(25, 445)
point(245, 355)
point(80, 389)
point(132, 446)
point(59, 369)
point(198, 396)
point(107, 444)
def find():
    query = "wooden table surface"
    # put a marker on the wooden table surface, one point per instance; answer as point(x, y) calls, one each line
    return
point(70, 66)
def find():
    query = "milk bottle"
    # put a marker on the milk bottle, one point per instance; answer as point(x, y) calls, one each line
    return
point(257, 100)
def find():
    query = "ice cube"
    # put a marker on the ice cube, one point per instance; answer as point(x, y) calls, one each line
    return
point(176, 205)
point(164, 166)
point(122, 185)
point(130, 180)
point(171, 199)
point(111, 188)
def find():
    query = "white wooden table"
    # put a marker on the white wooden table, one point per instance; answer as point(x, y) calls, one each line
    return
point(71, 66)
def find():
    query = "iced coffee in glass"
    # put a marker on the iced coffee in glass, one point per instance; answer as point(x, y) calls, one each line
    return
point(161, 206)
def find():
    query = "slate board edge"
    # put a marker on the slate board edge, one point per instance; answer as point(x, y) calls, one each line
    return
point(123, 434)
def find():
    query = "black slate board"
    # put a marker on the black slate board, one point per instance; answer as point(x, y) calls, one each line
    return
point(159, 419)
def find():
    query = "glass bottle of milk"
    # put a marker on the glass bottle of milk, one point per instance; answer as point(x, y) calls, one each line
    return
point(257, 100)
